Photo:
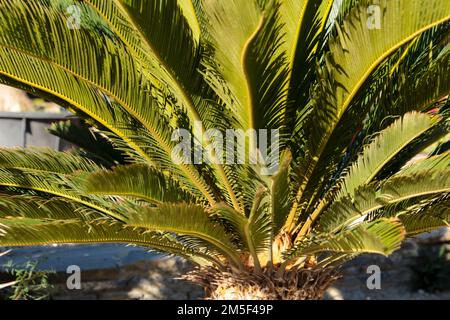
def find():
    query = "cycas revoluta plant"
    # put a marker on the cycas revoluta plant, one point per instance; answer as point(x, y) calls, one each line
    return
point(356, 89)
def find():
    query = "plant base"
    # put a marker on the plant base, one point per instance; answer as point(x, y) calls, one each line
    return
point(298, 284)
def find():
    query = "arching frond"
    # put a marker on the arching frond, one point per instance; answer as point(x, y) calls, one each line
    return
point(45, 160)
point(188, 220)
point(305, 22)
point(139, 181)
point(247, 70)
point(55, 63)
point(383, 148)
point(56, 185)
point(382, 236)
point(375, 157)
point(418, 67)
point(26, 232)
point(398, 188)
point(427, 219)
point(164, 46)
point(41, 208)
point(254, 231)
point(159, 37)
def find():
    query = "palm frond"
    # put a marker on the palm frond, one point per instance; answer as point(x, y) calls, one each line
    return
point(383, 148)
point(80, 86)
point(281, 192)
point(96, 145)
point(57, 185)
point(400, 187)
point(57, 54)
point(139, 181)
point(186, 220)
point(165, 48)
point(382, 236)
point(376, 156)
point(159, 37)
point(247, 69)
point(427, 219)
point(42, 208)
point(27, 232)
point(254, 231)
point(408, 73)
point(304, 25)
point(45, 160)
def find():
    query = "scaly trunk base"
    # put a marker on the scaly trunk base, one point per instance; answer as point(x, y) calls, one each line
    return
point(299, 284)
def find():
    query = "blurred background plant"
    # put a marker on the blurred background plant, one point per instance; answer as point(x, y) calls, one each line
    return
point(432, 270)
point(28, 283)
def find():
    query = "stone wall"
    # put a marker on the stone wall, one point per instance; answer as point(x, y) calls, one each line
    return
point(146, 280)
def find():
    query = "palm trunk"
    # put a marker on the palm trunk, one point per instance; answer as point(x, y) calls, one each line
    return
point(300, 284)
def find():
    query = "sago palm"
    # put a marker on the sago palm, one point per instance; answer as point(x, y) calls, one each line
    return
point(350, 92)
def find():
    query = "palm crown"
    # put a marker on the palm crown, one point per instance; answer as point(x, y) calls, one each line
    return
point(354, 90)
